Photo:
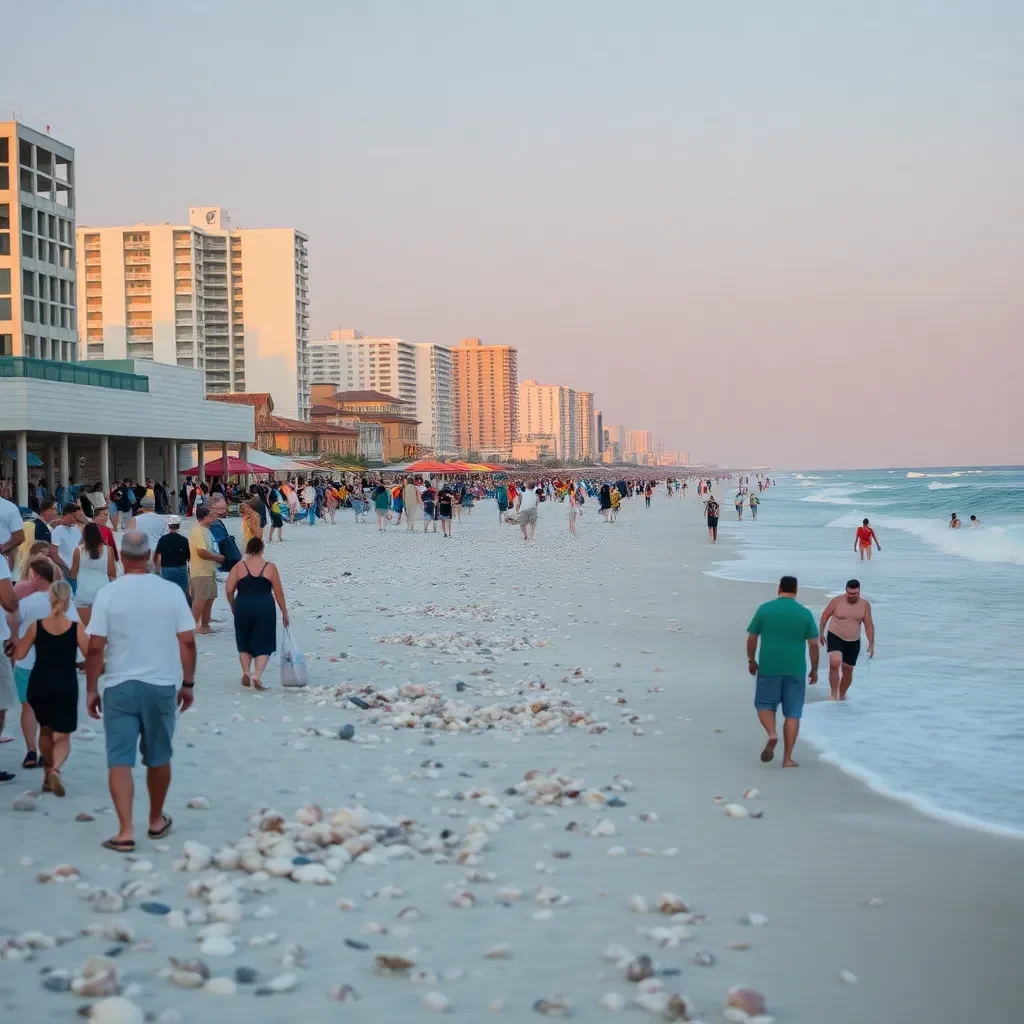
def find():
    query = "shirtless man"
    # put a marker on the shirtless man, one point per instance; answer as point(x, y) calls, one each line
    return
point(954, 522)
point(847, 613)
point(863, 539)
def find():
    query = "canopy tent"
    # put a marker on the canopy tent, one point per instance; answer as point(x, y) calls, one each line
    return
point(236, 467)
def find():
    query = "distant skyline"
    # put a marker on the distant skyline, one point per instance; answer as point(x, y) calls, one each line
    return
point(789, 233)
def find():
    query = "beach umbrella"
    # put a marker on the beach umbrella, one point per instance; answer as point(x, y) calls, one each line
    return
point(33, 460)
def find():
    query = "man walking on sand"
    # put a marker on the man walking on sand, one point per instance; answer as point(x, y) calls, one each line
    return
point(711, 510)
point(141, 641)
point(526, 506)
point(204, 559)
point(786, 629)
point(847, 613)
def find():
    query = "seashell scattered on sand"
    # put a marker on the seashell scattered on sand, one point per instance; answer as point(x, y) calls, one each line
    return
point(617, 954)
point(749, 1000)
point(616, 851)
point(550, 896)
point(199, 803)
point(874, 902)
point(704, 958)
point(754, 920)
point(436, 1002)
point(393, 962)
point(670, 903)
point(220, 987)
point(116, 1010)
point(558, 1006)
point(612, 1001)
point(736, 811)
point(343, 903)
point(499, 951)
point(739, 947)
point(639, 968)
point(678, 1007)
point(638, 904)
point(848, 977)
point(343, 993)
point(217, 945)
point(508, 895)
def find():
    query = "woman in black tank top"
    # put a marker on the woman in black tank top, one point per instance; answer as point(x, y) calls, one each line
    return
point(53, 681)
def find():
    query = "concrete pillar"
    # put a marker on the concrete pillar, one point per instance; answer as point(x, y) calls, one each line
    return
point(201, 461)
point(50, 477)
point(140, 460)
point(243, 454)
point(224, 464)
point(65, 461)
point(105, 464)
point(21, 469)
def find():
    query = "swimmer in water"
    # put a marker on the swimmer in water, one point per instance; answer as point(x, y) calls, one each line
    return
point(975, 521)
point(863, 539)
point(954, 523)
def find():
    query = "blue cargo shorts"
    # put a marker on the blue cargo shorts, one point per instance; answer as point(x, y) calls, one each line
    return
point(139, 715)
point(788, 691)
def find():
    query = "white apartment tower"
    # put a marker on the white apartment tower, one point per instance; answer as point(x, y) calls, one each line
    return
point(585, 431)
point(232, 302)
point(354, 362)
point(549, 410)
point(37, 245)
point(434, 397)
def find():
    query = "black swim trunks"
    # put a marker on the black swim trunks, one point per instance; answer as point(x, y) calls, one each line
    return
point(850, 649)
point(712, 522)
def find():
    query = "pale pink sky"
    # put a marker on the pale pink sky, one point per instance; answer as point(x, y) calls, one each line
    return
point(789, 233)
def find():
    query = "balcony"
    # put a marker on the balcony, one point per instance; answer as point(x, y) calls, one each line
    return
point(136, 275)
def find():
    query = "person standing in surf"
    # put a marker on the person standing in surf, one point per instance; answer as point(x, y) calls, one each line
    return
point(863, 540)
point(785, 629)
point(844, 616)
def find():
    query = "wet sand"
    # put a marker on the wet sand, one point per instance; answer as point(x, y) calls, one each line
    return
point(633, 635)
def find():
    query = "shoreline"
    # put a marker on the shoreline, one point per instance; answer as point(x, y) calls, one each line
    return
point(872, 780)
point(658, 646)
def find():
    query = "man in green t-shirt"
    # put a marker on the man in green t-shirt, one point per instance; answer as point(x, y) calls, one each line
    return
point(786, 629)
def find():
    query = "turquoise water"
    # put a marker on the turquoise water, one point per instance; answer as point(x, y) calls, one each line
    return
point(937, 719)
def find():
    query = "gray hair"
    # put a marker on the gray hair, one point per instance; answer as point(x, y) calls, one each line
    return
point(148, 502)
point(135, 546)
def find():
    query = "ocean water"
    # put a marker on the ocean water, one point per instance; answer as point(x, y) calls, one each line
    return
point(937, 718)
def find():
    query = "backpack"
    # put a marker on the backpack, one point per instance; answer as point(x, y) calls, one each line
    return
point(226, 546)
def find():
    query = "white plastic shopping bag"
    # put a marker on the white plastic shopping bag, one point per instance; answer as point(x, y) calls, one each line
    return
point(293, 663)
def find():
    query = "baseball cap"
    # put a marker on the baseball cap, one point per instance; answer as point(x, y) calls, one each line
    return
point(174, 520)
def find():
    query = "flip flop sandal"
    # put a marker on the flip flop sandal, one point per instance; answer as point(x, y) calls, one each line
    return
point(32, 760)
point(161, 832)
point(120, 845)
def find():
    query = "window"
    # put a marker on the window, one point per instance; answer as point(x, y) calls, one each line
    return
point(28, 246)
point(5, 281)
point(5, 308)
point(28, 282)
point(6, 340)
point(5, 215)
point(5, 175)
point(5, 151)
point(25, 151)
point(5, 243)
point(30, 311)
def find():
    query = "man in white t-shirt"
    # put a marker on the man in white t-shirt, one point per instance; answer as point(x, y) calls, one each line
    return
point(526, 505)
point(31, 608)
point(8, 695)
point(141, 637)
point(65, 538)
point(152, 525)
point(12, 531)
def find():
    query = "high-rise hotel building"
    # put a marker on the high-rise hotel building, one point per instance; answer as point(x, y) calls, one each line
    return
point(485, 398)
point(37, 245)
point(232, 302)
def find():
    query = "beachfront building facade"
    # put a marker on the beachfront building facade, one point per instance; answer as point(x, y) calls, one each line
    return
point(585, 430)
point(598, 433)
point(105, 420)
point(351, 361)
point(549, 410)
point(434, 398)
point(485, 398)
point(297, 437)
point(400, 437)
point(37, 246)
point(640, 444)
point(230, 302)
point(614, 443)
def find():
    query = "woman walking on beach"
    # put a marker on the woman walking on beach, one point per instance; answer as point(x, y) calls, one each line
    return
point(573, 509)
point(445, 503)
point(382, 503)
point(250, 522)
point(412, 501)
point(93, 566)
point(429, 507)
point(252, 588)
point(53, 682)
point(605, 500)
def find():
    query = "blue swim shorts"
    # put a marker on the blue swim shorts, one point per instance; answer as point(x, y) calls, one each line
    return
point(788, 691)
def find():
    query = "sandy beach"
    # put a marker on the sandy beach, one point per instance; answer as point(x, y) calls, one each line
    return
point(647, 650)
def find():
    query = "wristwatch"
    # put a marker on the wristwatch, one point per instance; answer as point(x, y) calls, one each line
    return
point(187, 686)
